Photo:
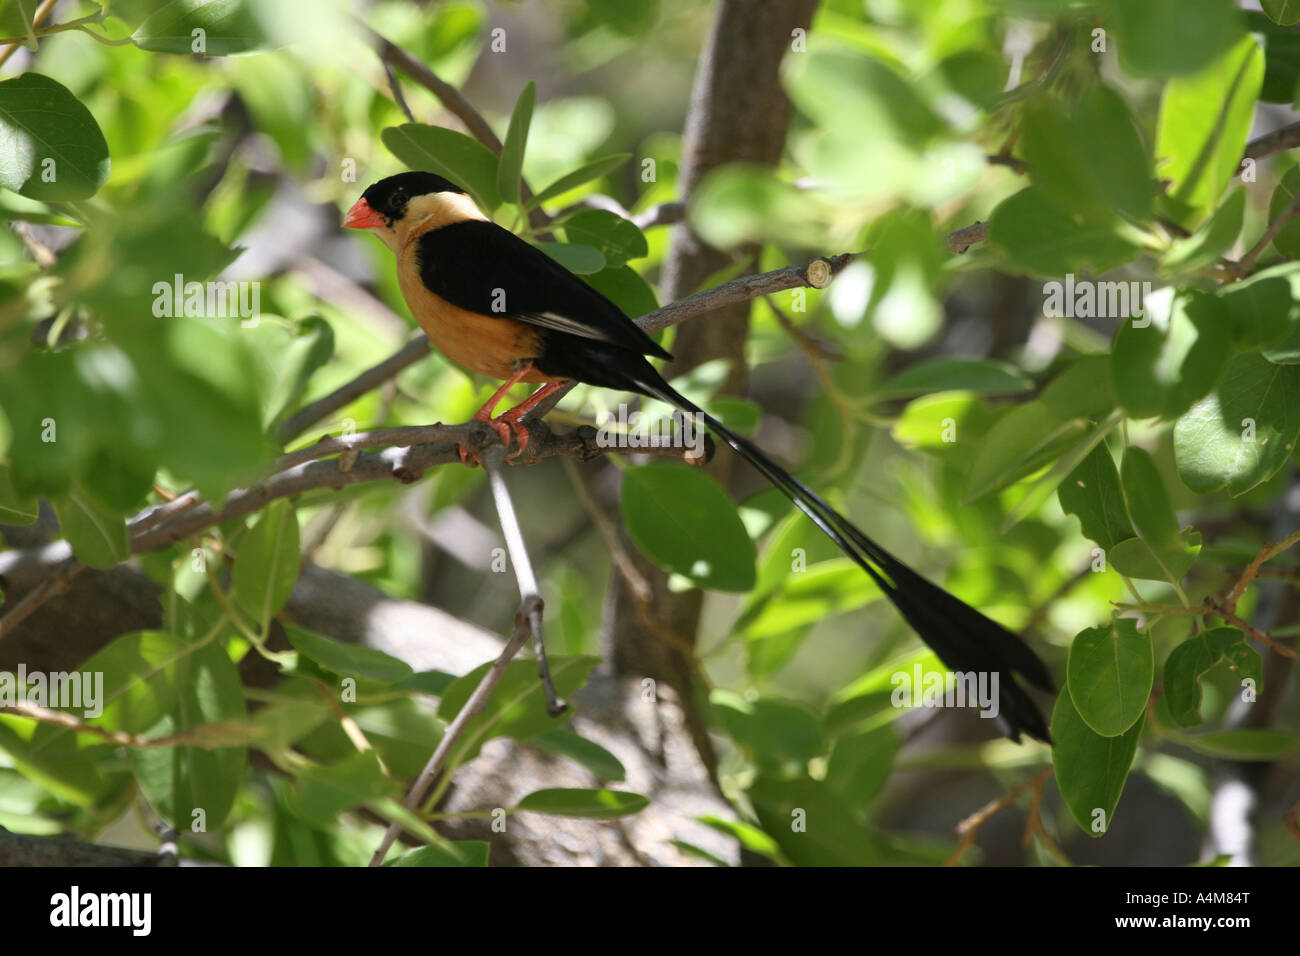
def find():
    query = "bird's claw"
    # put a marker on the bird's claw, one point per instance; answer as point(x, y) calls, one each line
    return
point(509, 430)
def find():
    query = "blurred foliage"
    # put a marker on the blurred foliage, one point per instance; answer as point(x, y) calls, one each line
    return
point(160, 147)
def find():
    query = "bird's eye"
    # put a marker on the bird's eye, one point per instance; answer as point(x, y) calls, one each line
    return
point(397, 200)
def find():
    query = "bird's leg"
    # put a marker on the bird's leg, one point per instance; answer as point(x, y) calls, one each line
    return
point(503, 428)
point(511, 418)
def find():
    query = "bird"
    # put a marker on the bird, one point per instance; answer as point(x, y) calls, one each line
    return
point(496, 305)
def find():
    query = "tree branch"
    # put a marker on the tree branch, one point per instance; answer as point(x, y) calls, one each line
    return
point(1288, 137)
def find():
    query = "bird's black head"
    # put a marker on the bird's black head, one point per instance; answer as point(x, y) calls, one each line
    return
point(389, 197)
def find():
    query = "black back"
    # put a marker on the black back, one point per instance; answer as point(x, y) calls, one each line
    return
point(484, 268)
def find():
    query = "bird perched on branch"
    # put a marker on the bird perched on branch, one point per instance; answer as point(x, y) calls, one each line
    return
point(494, 304)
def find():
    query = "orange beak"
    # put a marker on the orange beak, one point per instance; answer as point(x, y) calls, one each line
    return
point(362, 216)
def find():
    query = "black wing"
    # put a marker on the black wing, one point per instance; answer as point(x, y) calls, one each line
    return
point(479, 266)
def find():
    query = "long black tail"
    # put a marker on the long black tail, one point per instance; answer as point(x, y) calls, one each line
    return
point(963, 638)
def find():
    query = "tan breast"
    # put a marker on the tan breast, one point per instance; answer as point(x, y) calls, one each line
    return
point(488, 345)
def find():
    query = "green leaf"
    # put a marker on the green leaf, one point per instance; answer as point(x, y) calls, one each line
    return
point(593, 804)
point(181, 780)
point(1090, 769)
point(267, 564)
point(285, 721)
point(603, 765)
point(944, 422)
point(454, 156)
point(1148, 500)
point(872, 699)
point(403, 731)
point(433, 683)
point(517, 708)
point(1262, 307)
point(583, 174)
point(1204, 121)
point(321, 794)
point(457, 853)
point(617, 239)
point(139, 682)
point(860, 764)
point(582, 260)
point(51, 148)
point(512, 152)
point(1287, 241)
point(777, 733)
point(1281, 58)
point(873, 100)
point(1110, 673)
point(981, 376)
point(96, 532)
point(351, 660)
point(811, 823)
point(1083, 390)
point(1089, 158)
point(805, 597)
point(1045, 484)
point(1167, 37)
point(627, 18)
point(1285, 12)
point(1244, 431)
point(624, 286)
point(739, 203)
point(1040, 236)
point(15, 509)
point(310, 349)
point(1212, 240)
point(227, 27)
point(1287, 351)
point(60, 763)
point(746, 834)
point(1193, 659)
point(684, 522)
point(1138, 558)
point(1163, 367)
point(1266, 745)
point(1093, 494)
point(1022, 441)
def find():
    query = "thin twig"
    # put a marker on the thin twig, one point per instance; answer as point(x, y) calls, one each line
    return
point(396, 87)
point(205, 736)
point(38, 18)
point(635, 580)
point(811, 344)
point(1227, 608)
point(456, 729)
point(1292, 822)
point(530, 598)
point(969, 827)
point(665, 214)
point(394, 56)
point(960, 240)
point(1267, 553)
point(1243, 266)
